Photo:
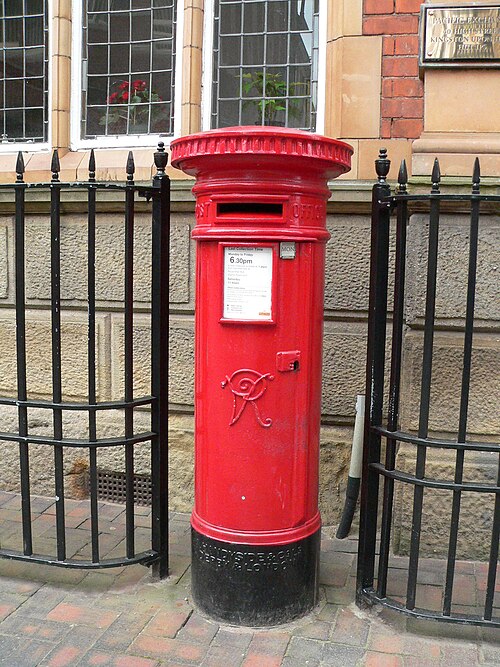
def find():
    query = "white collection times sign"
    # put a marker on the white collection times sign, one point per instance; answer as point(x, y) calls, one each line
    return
point(248, 279)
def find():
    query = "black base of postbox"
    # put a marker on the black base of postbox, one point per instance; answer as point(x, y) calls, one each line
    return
point(255, 585)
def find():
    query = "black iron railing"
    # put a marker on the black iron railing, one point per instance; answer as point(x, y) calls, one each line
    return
point(159, 194)
point(376, 527)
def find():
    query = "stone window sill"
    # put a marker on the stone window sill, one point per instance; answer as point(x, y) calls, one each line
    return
point(110, 166)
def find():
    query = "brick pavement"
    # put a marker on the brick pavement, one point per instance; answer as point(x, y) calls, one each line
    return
point(55, 617)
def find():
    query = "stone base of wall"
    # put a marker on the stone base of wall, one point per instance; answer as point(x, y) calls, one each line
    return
point(335, 453)
point(476, 509)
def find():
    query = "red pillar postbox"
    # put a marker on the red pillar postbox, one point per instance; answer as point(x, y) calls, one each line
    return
point(261, 230)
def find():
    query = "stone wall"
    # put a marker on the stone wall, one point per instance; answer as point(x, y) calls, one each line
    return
point(346, 298)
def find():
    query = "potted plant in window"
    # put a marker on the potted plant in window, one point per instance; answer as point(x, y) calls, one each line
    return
point(129, 107)
point(274, 93)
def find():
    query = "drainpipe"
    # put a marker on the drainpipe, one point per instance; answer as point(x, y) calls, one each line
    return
point(354, 478)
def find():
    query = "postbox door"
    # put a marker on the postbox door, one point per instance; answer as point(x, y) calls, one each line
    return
point(257, 390)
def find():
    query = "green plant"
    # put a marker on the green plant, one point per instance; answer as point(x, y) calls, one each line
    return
point(273, 91)
point(130, 104)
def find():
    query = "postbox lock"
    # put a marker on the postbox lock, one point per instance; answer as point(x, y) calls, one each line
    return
point(288, 361)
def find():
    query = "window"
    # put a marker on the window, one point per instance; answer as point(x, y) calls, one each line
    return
point(24, 71)
point(265, 63)
point(128, 56)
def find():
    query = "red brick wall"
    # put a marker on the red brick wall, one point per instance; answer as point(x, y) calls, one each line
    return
point(402, 104)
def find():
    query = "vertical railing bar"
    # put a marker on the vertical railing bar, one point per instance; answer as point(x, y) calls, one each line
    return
point(91, 249)
point(21, 355)
point(55, 255)
point(377, 317)
point(493, 563)
point(464, 395)
point(129, 355)
point(395, 380)
point(425, 388)
point(159, 361)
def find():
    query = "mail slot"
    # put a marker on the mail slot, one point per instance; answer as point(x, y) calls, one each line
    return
point(261, 196)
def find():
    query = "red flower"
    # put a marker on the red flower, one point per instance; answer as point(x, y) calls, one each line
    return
point(125, 96)
point(112, 98)
point(123, 85)
point(139, 85)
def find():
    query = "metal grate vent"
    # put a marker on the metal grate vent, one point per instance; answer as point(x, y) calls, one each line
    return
point(112, 486)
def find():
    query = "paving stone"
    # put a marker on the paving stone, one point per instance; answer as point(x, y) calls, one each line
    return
point(165, 648)
point(350, 629)
point(309, 651)
point(17, 652)
point(329, 612)
point(125, 629)
point(258, 660)
point(43, 601)
point(339, 654)
point(101, 659)
point(294, 662)
point(198, 629)
point(76, 644)
point(20, 624)
point(315, 630)
point(233, 637)
point(459, 654)
point(421, 661)
point(6, 497)
point(223, 656)
point(270, 642)
point(6, 610)
point(9, 647)
point(78, 614)
point(167, 623)
point(372, 659)
point(339, 596)
point(333, 575)
point(267, 648)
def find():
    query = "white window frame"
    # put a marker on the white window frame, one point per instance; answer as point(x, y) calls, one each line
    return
point(124, 140)
point(207, 73)
point(39, 146)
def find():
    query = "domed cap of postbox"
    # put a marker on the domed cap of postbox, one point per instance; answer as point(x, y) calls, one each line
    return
point(257, 151)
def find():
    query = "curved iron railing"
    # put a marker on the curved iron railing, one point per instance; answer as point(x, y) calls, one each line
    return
point(373, 579)
point(159, 194)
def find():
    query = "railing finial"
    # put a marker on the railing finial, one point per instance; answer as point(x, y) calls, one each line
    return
point(130, 167)
point(92, 166)
point(382, 165)
point(161, 159)
point(55, 166)
point(20, 168)
point(476, 177)
point(436, 176)
point(403, 177)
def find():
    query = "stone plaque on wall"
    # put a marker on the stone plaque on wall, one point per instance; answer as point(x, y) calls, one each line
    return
point(460, 36)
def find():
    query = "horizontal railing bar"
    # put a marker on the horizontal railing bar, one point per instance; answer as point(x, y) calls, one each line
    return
point(108, 405)
point(440, 196)
point(79, 185)
point(429, 483)
point(76, 442)
point(464, 619)
point(401, 436)
point(143, 558)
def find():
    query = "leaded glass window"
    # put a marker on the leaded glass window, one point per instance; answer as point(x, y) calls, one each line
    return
point(128, 67)
point(24, 71)
point(265, 66)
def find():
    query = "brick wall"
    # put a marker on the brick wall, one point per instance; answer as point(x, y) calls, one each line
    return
point(402, 104)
